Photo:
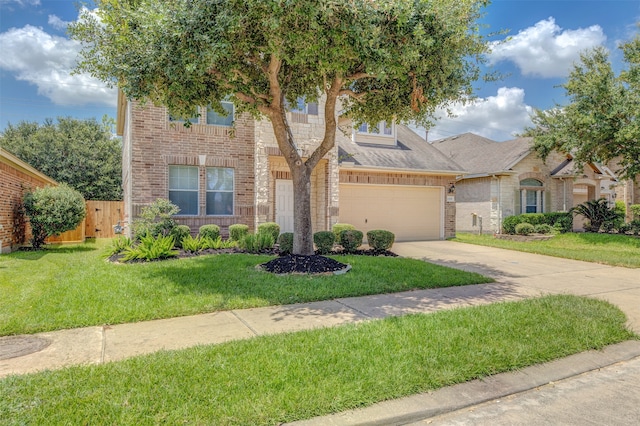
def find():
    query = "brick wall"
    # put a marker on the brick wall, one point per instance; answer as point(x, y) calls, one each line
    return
point(15, 177)
point(153, 143)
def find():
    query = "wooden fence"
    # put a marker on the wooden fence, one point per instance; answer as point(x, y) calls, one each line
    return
point(99, 223)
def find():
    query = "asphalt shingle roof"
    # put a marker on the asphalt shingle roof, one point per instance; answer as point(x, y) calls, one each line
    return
point(479, 155)
point(412, 152)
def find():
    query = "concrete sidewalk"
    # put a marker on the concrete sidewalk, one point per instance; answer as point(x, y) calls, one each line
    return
point(518, 275)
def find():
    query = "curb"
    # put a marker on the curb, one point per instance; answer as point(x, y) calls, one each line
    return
point(452, 398)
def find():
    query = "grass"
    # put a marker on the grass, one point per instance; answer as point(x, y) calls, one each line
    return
point(609, 249)
point(281, 378)
point(73, 286)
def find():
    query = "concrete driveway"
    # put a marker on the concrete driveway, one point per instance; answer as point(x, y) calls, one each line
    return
point(532, 274)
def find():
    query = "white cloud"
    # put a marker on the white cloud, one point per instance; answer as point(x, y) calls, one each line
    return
point(57, 23)
point(47, 61)
point(498, 117)
point(546, 50)
point(21, 2)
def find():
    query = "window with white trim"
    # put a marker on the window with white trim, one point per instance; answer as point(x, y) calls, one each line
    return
point(531, 196)
point(183, 189)
point(303, 107)
point(220, 191)
point(380, 129)
point(215, 119)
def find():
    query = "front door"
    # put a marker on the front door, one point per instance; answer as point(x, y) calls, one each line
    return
point(284, 205)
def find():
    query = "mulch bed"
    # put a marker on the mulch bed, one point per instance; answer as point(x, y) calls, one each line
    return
point(286, 264)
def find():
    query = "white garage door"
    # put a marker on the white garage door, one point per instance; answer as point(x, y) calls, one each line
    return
point(410, 212)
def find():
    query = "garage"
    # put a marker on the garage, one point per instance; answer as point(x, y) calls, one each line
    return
point(410, 212)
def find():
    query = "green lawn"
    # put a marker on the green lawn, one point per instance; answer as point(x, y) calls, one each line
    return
point(73, 286)
point(280, 378)
point(615, 250)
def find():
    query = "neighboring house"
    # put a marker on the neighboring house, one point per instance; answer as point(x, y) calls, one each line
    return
point(16, 176)
point(508, 178)
point(227, 170)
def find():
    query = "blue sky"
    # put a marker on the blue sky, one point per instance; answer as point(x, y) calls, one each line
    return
point(545, 38)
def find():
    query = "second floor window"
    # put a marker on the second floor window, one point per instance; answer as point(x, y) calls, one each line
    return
point(382, 128)
point(303, 107)
point(213, 118)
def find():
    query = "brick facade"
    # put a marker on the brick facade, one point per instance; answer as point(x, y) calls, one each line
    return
point(153, 143)
point(15, 177)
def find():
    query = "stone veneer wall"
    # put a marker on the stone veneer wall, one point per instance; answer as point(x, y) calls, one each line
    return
point(308, 131)
point(152, 143)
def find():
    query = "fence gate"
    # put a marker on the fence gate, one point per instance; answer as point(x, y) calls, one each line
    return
point(101, 217)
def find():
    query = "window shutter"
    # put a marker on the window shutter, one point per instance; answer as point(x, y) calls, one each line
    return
point(517, 202)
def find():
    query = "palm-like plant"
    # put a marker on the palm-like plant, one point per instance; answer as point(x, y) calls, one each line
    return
point(597, 212)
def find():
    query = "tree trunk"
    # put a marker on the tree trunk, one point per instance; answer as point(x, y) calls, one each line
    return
point(302, 224)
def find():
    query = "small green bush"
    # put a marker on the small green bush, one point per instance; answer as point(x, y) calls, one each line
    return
point(270, 228)
point(256, 243)
point(209, 231)
point(380, 239)
point(635, 211)
point(339, 227)
point(524, 229)
point(350, 240)
point(238, 231)
point(635, 226)
point(191, 244)
point(155, 219)
point(179, 233)
point(118, 245)
point(324, 241)
point(151, 248)
point(53, 210)
point(509, 224)
point(216, 244)
point(285, 241)
point(543, 228)
point(624, 228)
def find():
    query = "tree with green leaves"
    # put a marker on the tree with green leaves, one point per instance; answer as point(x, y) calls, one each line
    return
point(81, 153)
point(369, 60)
point(600, 122)
point(53, 210)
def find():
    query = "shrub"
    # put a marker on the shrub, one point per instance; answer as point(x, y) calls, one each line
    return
point(209, 231)
point(285, 241)
point(118, 245)
point(151, 248)
point(543, 228)
point(624, 228)
point(179, 233)
point(350, 240)
point(192, 244)
point(524, 228)
point(597, 212)
point(155, 219)
point(53, 210)
point(339, 227)
point(509, 224)
point(270, 228)
point(216, 244)
point(324, 241)
point(635, 211)
point(238, 231)
point(533, 218)
point(255, 243)
point(380, 239)
point(635, 226)
point(561, 221)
